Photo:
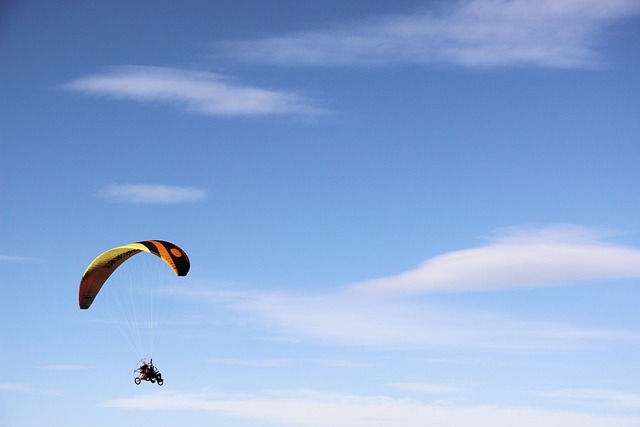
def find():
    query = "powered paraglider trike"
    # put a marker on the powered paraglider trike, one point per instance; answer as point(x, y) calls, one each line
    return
point(146, 371)
point(135, 291)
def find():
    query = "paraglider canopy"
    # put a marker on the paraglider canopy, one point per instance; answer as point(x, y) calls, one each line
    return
point(105, 264)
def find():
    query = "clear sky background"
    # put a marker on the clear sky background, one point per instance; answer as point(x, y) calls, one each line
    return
point(403, 213)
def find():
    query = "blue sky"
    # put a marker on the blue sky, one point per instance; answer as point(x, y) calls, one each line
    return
point(397, 213)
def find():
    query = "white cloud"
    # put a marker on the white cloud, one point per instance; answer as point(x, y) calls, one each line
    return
point(309, 408)
point(337, 363)
point(374, 313)
point(66, 367)
point(199, 92)
point(476, 33)
point(427, 388)
point(353, 320)
point(268, 363)
point(11, 258)
point(152, 193)
point(19, 387)
point(525, 258)
point(592, 397)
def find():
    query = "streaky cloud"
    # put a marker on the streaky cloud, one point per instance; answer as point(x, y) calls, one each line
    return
point(17, 387)
point(523, 258)
point(66, 367)
point(197, 91)
point(428, 388)
point(266, 363)
point(386, 313)
point(332, 409)
point(471, 33)
point(352, 320)
point(152, 193)
point(13, 258)
point(595, 397)
point(337, 363)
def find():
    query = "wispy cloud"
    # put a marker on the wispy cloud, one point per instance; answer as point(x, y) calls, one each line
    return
point(524, 258)
point(276, 363)
point(12, 258)
point(152, 193)
point(264, 363)
point(596, 398)
point(374, 313)
point(360, 321)
point(475, 33)
point(66, 367)
point(337, 363)
point(310, 408)
point(19, 387)
point(197, 91)
point(427, 388)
